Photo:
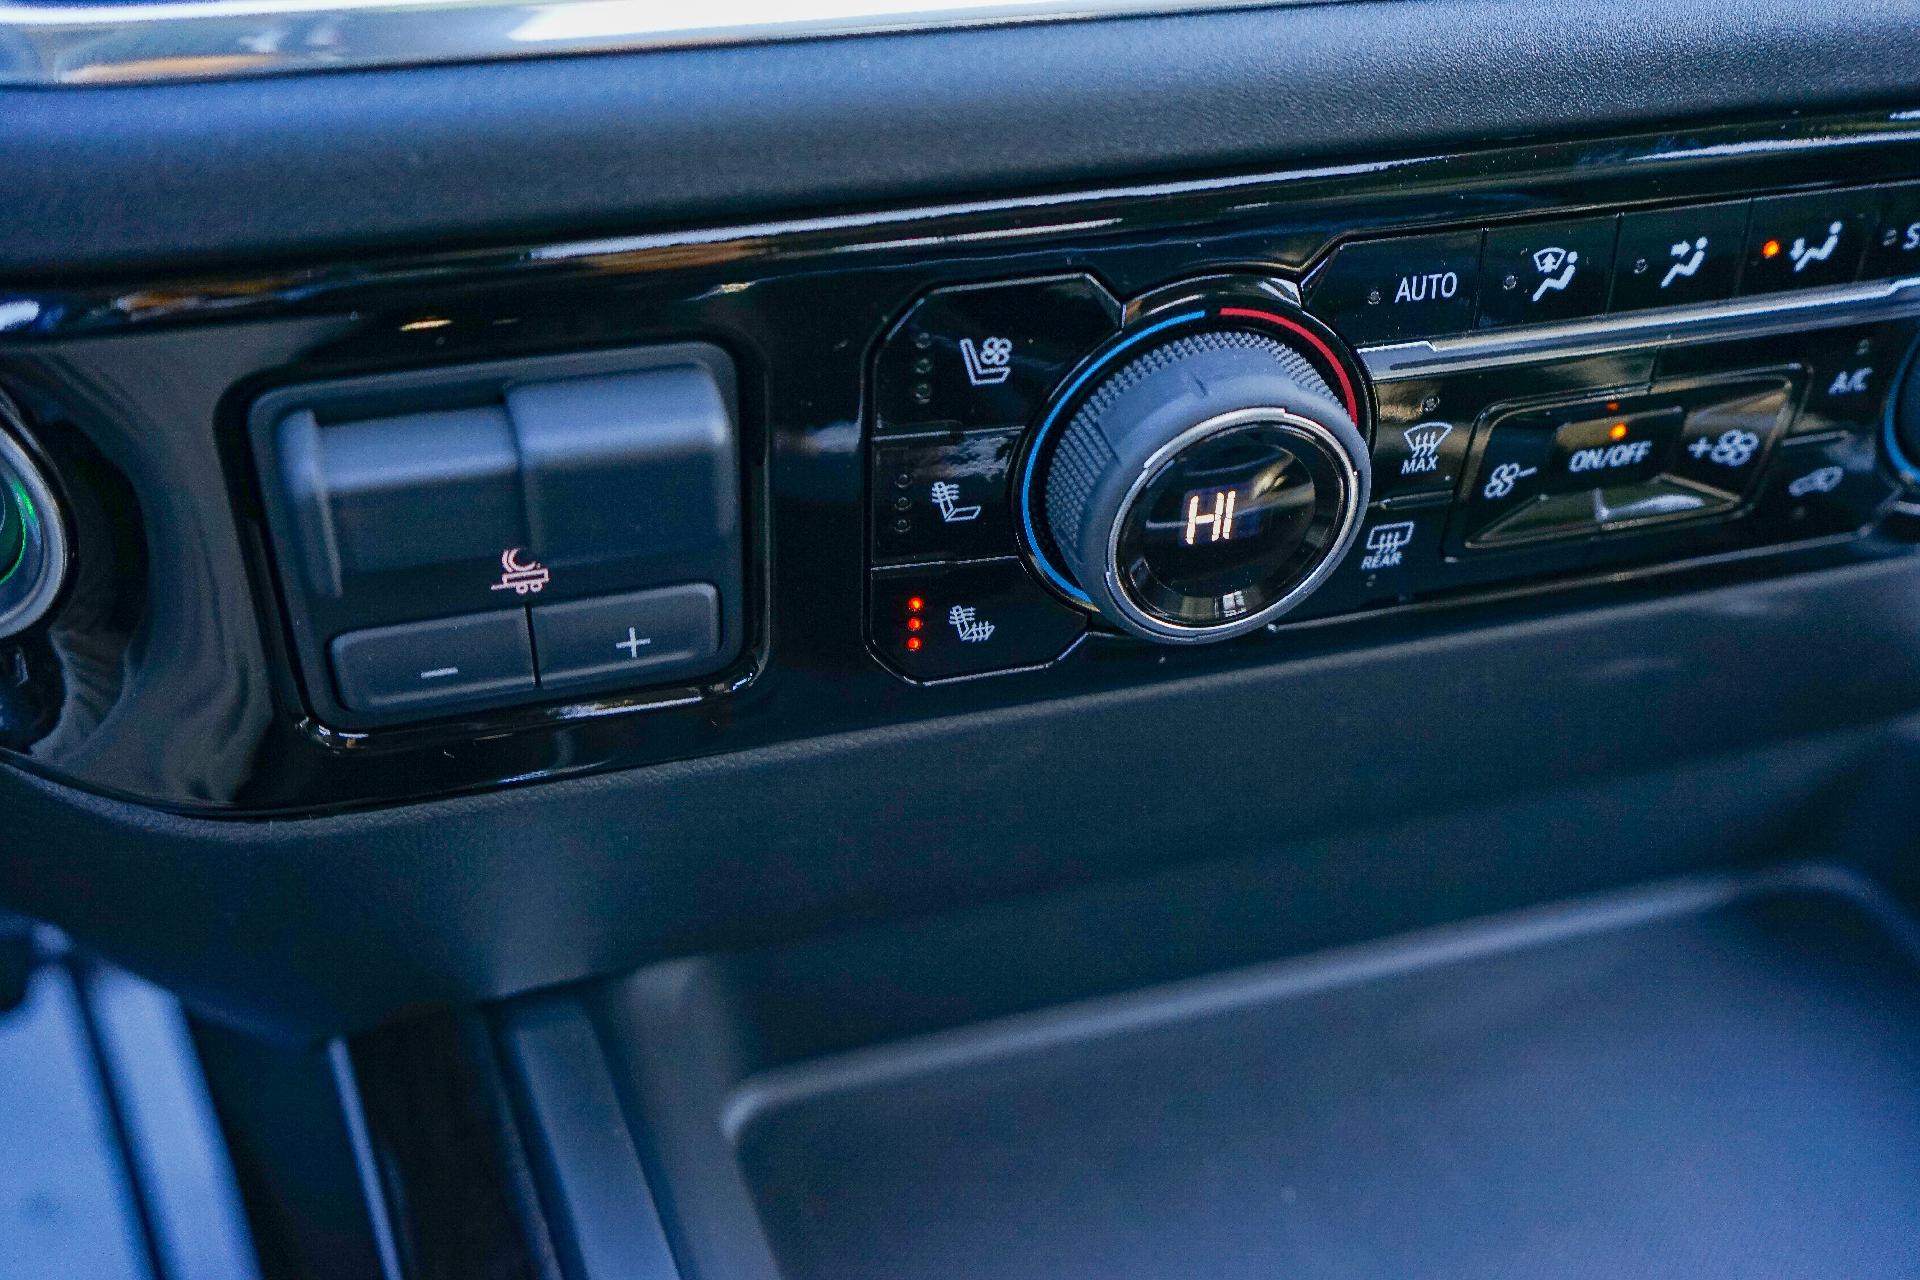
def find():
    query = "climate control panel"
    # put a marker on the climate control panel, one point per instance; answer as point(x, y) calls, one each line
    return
point(1413, 416)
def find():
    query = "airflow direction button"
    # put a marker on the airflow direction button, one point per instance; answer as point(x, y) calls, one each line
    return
point(1807, 241)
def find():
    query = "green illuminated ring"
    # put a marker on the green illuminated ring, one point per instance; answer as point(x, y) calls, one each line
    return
point(33, 582)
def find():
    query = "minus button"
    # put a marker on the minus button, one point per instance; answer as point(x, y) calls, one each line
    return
point(442, 664)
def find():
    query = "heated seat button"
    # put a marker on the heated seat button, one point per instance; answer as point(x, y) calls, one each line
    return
point(1546, 271)
point(1806, 241)
point(643, 637)
point(943, 499)
point(988, 355)
point(1673, 257)
point(965, 620)
point(1394, 290)
point(433, 666)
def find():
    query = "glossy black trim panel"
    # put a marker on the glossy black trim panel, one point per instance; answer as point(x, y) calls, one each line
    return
point(158, 375)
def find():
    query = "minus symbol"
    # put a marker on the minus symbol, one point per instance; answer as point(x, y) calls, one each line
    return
point(439, 672)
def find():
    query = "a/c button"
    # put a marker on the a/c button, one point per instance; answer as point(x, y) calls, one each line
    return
point(1393, 290)
point(643, 637)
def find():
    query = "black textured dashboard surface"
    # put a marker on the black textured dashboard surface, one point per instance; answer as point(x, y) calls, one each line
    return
point(1386, 788)
point(302, 166)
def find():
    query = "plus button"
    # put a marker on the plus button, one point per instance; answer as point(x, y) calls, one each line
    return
point(633, 643)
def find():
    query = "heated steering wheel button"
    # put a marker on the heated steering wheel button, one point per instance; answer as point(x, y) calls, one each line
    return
point(968, 620)
point(434, 666)
point(643, 637)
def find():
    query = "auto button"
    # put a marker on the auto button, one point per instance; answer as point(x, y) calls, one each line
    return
point(1393, 290)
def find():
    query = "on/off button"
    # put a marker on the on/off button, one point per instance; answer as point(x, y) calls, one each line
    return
point(1400, 289)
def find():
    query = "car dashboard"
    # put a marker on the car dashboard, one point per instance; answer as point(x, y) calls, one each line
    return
point(988, 642)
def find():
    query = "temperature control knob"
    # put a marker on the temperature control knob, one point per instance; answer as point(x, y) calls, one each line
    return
point(1198, 486)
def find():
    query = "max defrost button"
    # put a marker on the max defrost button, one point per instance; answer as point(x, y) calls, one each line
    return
point(1389, 290)
point(641, 638)
point(436, 665)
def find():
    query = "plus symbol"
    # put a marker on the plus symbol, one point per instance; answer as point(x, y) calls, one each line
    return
point(1700, 448)
point(633, 643)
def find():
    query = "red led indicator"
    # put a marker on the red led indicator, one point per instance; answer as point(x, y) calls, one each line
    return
point(914, 624)
point(916, 604)
point(913, 642)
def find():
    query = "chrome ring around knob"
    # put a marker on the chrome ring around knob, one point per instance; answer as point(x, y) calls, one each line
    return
point(1201, 487)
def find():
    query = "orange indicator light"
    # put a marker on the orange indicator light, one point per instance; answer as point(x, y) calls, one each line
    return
point(1618, 431)
point(1771, 249)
